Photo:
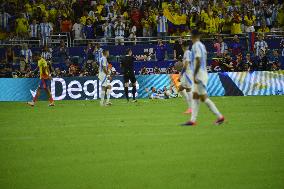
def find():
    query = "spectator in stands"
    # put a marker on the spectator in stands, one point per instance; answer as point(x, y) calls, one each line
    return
point(132, 33)
point(73, 70)
point(157, 70)
point(119, 28)
point(161, 50)
point(236, 46)
point(4, 20)
point(46, 53)
point(26, 53)
point(10, 56)
point(248, 63)
point(223, 46)
point(25, 57)
point(22, 26)
point(88, 51)
point(45, 30)
point(77, 30)
point(259, 44)
point(178, 50)
point(161, 25)
point(239, 66)
point(236, 23)
point(89, 30)
point(268, 15)
point(62, 53)
point(58, 73)
point(249, 20)
point(227, 65)
point(5, 69)
point(33, 30)
point(107, 29)
point(262, 60)
point(98, 52)
point(263, 28)
point(147, 25)
point(275, 61)
point(144, 71)
point(66, 25)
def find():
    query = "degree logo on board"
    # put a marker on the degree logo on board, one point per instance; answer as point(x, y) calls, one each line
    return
point(84, 89)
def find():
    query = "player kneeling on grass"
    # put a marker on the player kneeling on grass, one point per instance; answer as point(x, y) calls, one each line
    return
point(45, 79)
point(185, 78)
point(153, 93)
point(200, 78)
point(104, 77)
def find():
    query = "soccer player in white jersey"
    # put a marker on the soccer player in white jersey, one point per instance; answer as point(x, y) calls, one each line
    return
point(200, 78)
point(185, 78)
point(104, 77)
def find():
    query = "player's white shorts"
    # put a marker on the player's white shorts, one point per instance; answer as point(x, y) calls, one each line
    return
point(186, 81)
point(200, 88)
point(104, 80)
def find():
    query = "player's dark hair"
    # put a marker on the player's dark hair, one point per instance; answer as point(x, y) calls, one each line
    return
point(185, 44)
point(104, 51)
point(195, 33)
point(128, 50)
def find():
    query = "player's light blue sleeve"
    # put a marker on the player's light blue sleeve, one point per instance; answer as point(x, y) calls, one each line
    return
point(104, 62)
point(197, 50)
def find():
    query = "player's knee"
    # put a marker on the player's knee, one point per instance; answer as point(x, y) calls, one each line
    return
point(126, 85)
point(203, 97)
point(195, 96)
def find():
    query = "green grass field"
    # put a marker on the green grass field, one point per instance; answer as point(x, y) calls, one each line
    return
point(78, 144)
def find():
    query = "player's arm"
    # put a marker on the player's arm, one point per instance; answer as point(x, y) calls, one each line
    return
point(183, 70)
point(105, 70)
point(196, 70)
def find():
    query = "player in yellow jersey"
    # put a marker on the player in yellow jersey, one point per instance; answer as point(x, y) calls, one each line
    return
point(45, 80)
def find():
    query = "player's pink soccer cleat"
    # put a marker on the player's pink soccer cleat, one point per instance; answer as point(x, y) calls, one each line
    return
point(188, 111)
point(220, 120)
point(189, 123)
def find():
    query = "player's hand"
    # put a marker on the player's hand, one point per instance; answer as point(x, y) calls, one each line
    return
point(109, 78)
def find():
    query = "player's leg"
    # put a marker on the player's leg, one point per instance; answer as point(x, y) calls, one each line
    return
point(51, 101)
point(108, 90)
point(183, 92)
point(104, 84)
point(211, 105)
point(32, 103)
point(195, 106)
point(47, 90)
point(103, 93)
point(134, 89)
point(126, 85)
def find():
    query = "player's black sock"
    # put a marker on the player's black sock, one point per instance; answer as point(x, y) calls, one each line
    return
point(126, 93)
point(133, 92)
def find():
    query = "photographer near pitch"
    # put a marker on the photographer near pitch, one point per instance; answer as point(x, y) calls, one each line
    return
point(127, 67)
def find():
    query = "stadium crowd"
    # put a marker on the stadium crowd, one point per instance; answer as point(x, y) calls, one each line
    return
point(126, 20)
